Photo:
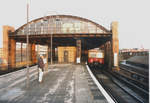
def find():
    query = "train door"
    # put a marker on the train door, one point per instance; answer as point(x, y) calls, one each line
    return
point(66, 56)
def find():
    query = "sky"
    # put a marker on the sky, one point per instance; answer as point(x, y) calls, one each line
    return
point(132, 15)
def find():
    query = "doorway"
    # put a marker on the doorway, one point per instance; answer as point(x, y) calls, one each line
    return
point(66, 56)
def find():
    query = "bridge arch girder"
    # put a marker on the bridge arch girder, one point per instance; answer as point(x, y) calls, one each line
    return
point(60, 24)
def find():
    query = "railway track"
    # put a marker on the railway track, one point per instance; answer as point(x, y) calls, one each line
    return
point(138, 76)
point(117, 88)
point(132, 89)
point(134, 68)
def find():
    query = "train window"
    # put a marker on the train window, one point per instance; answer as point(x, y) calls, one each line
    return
point(100, 55)
point(92, 55)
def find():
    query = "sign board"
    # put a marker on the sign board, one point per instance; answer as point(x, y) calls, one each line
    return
point(78, 60)
point(45, 60)
point(115, 59)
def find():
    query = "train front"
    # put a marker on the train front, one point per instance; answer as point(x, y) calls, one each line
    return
point(96, 57)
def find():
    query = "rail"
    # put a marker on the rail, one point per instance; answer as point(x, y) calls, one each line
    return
point(123, 85)
point(141, 95)
point(137, 78)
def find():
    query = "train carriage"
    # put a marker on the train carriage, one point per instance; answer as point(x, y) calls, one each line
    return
point(96, 57)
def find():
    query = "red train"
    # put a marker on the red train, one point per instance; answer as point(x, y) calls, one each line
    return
point(96, 57)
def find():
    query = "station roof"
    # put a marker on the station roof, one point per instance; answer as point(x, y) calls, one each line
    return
point(65, 30)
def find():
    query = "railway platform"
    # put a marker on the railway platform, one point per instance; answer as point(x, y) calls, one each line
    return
point(62, 83)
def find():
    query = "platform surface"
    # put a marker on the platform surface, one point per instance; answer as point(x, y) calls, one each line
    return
point(62, 83)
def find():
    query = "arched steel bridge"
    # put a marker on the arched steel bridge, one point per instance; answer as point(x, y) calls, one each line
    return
point(66, 30)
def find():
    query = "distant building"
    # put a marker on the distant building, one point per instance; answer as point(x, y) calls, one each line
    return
point(127, 53)
point(134, 50)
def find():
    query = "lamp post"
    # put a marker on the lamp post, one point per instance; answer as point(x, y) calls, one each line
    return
point(51, 47)
point(51, 33)
point(54, 21)
point(27, 48)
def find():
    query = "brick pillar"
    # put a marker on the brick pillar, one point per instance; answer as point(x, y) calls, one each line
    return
point(78, 44)
point(115, 44)
point(12, 53)
point(7, 45)
point(33, 54)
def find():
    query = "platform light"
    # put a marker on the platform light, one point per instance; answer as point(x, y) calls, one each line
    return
point(45, 18)
point(57, 19)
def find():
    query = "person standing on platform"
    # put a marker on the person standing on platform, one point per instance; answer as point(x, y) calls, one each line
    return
point(40, 67)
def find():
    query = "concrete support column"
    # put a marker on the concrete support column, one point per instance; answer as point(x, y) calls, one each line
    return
point(78, 44)
point(49, 53)
point(53, 56)
point(115, 44)
point(106, 53)
point(6, 44)
point(110, 54)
